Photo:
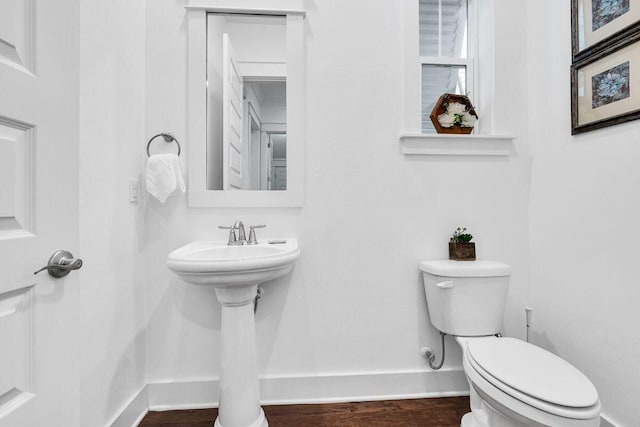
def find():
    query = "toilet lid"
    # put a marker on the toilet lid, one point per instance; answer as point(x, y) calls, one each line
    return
point(533, 371)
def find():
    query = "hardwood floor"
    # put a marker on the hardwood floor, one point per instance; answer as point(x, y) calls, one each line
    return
point(441, 412)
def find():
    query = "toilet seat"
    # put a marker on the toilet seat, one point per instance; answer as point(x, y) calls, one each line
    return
point(533, 376)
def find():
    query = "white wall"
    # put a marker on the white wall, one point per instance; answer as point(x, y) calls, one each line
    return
point(112, 140)
point(274, 112)
point(354, 303)
point(258, 40)
point(584, 211)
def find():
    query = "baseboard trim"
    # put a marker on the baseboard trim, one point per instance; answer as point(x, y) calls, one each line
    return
point(134, 411)
point(606, 421)
point(327, 388)
point(289, 390)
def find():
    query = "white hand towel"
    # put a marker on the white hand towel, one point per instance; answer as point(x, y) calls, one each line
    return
point(164, 176)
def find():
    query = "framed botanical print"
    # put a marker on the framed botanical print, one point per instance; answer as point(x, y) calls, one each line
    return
point(598, 23)
point(605, 86)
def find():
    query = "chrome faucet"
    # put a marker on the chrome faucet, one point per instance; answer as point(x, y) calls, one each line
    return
point(235, 239)
point(241, 237)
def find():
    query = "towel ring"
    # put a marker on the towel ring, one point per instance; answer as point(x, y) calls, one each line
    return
point(167, 138)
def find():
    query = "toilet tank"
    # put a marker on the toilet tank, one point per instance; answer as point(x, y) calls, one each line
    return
point(466, 298)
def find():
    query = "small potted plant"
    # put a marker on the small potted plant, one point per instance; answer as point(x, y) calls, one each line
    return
point(460, 246)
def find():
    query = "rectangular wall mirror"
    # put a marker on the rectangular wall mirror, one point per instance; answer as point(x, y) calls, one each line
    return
point(246, 104)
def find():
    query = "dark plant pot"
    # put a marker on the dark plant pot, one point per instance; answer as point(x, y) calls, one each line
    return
point(439, 109)
point(462, 251)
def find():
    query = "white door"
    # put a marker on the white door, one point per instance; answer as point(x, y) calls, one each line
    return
point(265, 170)
point(279, 175)
point(232, 106)
point(253, 165)
point(39, 382)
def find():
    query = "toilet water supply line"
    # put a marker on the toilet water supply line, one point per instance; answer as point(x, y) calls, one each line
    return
point(430, 356)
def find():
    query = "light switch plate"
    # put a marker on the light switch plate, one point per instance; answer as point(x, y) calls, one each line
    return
point(134, 190)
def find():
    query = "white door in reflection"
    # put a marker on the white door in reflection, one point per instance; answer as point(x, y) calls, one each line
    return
point(232, 118)
point(277, 167)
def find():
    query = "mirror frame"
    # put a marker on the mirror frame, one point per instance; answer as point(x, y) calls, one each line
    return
point(199, 196)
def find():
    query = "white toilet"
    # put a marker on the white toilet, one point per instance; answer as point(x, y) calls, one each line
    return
point(512, 382)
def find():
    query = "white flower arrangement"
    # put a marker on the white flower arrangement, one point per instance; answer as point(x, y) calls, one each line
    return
point(457, 114)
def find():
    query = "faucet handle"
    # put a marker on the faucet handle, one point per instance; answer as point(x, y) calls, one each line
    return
point(252, 234)
point(232, 234)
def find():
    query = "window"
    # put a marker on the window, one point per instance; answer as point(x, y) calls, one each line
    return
point(445, 54)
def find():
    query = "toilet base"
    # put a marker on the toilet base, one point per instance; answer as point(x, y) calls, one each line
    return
point(484, 415)
point(468, 421)
point(491, 407)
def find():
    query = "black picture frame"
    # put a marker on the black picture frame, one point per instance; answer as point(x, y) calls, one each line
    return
point(604, 53)
point(616, 34)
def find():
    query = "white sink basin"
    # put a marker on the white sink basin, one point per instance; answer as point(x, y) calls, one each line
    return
point(235, 272)
point(217, 264)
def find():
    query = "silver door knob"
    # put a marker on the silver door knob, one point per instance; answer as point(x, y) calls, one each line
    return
point(60, 264)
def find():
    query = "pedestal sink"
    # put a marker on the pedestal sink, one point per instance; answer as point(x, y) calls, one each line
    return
point(235, 272)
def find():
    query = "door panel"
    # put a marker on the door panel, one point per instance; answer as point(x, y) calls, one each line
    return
point(16, 178)
point(16, 331)
point(39, 358)
point(17, 25)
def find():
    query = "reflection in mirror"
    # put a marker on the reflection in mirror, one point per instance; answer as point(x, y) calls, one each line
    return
point(277, 166)
point(246, 102)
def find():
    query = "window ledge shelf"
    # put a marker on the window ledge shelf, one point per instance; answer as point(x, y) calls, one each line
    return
point(456, 145)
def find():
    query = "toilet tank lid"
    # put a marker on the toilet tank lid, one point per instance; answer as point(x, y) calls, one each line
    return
point(450, 268)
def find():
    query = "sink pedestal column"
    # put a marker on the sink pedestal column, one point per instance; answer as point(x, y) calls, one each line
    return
point(239, 389)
